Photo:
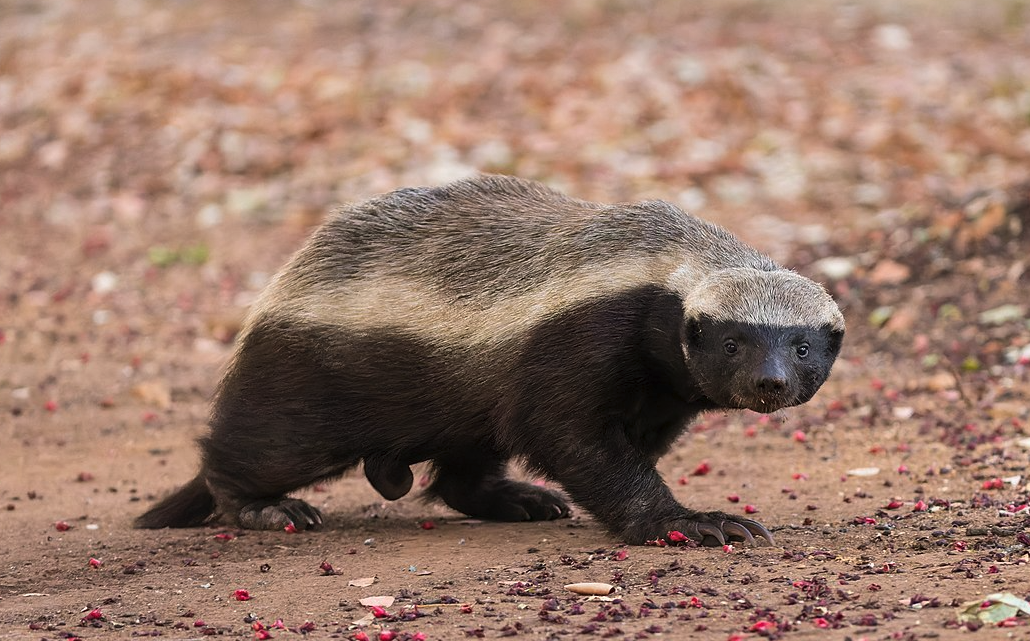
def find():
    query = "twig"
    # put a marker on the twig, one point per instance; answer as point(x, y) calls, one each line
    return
point(958, 384)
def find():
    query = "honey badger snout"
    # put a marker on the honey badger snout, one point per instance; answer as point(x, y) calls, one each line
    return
point(771, 385)
point(770, 377)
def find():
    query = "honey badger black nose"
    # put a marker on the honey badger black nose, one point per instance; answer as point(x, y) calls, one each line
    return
point(771, 385)
point(770, 377)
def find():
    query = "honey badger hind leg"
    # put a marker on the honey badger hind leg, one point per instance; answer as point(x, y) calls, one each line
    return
point(249, 509)
point(251, 486)
point(479, 488)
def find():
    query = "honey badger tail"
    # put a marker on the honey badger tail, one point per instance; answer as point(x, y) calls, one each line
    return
point(189, 506)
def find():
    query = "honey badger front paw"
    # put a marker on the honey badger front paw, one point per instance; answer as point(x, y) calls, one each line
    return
point(278, 514)
point(505, 500)
point(709, 529)
point(717, 528)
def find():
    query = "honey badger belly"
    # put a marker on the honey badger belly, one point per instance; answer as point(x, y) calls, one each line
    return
point(493, 319)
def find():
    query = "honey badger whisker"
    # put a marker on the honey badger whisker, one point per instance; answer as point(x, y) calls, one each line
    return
point(494, 318)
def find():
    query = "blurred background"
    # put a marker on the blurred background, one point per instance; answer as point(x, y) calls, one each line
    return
point(159, 160)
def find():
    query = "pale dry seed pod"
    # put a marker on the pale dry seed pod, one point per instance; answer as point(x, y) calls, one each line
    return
point(593, 589)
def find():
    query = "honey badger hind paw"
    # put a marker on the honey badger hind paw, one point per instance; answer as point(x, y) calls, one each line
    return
point(278, 514)
point(713, 529)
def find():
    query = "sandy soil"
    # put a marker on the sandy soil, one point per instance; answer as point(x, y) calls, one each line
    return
point(159, 160)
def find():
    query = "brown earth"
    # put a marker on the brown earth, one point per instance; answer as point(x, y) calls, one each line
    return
point(158, 160)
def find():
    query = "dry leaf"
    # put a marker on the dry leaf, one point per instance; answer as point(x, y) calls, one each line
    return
point(889, 272)
point(363, 582)
point(381, 601)
point(153, 393)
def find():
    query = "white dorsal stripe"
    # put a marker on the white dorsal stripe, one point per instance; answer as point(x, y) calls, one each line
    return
point(377, 302)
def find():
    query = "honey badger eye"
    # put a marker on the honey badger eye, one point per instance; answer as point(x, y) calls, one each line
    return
point(730, 347)
point(802, 350)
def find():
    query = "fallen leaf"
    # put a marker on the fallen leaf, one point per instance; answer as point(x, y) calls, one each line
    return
point(994, 608)
point(153, 393)
point(889, 272)
point(363, 582)
point(378, 601)
point(1003, 314)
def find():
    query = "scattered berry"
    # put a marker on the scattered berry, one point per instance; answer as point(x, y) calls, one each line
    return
point(93, 615)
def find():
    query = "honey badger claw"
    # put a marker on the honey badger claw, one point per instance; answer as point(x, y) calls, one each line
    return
point(494, 319)
point(277, 515)
point(716, 528)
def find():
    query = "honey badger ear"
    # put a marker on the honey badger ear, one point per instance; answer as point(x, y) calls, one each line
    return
point(836, 338)
point(691, 330)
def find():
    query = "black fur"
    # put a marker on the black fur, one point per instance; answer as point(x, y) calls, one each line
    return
point(591, 396)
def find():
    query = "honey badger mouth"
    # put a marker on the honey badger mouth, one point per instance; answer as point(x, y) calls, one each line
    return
point(766, 404)
point(750, 397)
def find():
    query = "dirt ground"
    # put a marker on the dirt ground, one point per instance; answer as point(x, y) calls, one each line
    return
point(159, 160)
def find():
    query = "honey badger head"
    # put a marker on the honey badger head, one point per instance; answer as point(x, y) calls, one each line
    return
point(760, 340)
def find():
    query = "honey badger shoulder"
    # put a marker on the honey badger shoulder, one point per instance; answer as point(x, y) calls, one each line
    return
point(491, 319)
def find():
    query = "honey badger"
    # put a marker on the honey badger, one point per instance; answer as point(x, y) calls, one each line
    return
point(494, 319)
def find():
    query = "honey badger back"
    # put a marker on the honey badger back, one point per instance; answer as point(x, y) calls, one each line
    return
point(494, 318)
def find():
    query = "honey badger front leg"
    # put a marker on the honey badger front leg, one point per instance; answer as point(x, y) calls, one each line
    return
point(475, 484)
point(621, 487)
